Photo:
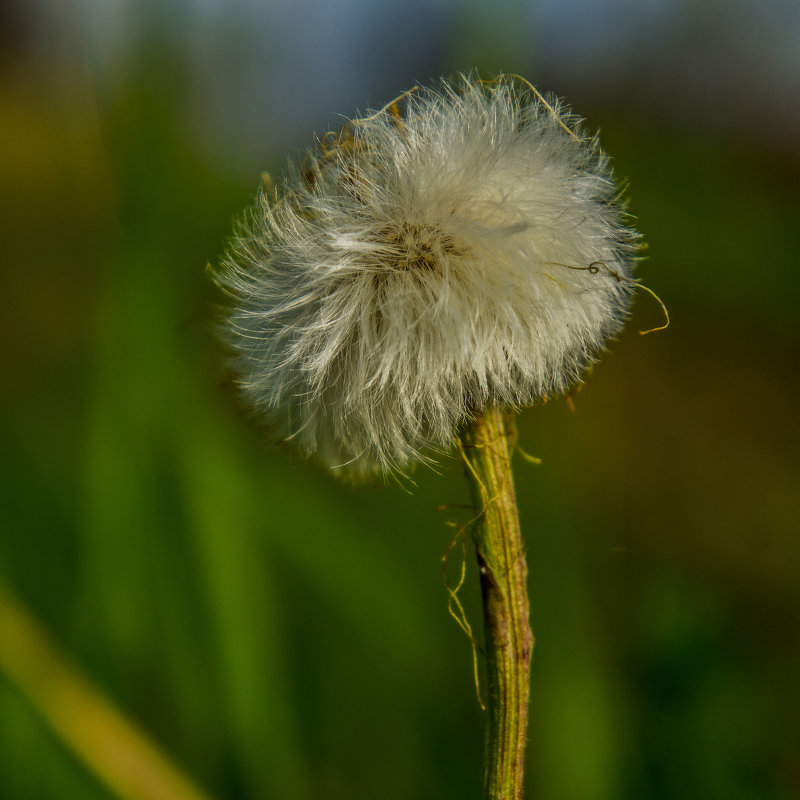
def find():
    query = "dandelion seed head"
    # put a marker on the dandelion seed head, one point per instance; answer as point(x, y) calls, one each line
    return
point(421, 265)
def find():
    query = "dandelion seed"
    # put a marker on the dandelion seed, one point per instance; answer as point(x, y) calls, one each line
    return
point(464, 248)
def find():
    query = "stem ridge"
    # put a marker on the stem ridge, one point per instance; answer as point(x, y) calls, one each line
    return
point(487, 447)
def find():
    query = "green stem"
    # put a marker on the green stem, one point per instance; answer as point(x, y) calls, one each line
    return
point(487, 446)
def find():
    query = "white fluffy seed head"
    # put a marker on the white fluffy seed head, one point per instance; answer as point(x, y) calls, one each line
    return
point(421, 264)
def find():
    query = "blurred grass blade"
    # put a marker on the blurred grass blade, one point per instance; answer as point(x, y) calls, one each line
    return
point(111, 746)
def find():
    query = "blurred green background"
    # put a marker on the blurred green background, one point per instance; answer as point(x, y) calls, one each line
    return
point(284, 636)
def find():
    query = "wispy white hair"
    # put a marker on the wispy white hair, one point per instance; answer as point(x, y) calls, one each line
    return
point(466, 249)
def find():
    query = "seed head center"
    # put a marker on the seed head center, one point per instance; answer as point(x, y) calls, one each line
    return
point(418, 247)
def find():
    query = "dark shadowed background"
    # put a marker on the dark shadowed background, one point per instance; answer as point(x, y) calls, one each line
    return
point(283, 636)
